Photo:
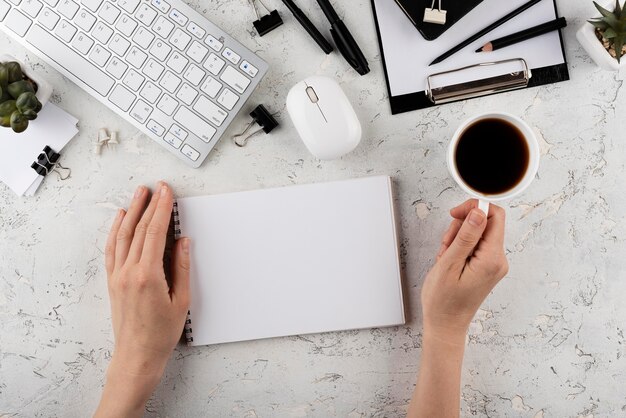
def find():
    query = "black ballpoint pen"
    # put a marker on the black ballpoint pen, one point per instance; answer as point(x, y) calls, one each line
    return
point(344, 40)
point(309, 27)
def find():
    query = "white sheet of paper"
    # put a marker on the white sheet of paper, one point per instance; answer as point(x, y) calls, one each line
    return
point(407, 53)
point(293, 260)
point(54, 127)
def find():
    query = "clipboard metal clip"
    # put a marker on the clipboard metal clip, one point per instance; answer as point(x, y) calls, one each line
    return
point(482, 87)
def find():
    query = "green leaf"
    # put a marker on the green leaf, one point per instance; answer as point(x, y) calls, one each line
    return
point(17, 88)
point(618, 44)
point(18, 122)
point(602, 10)
point(27, 101)
point(30, 114)
point(15, 71)
point(599, 24)
point(618, 9)
point(609, 33)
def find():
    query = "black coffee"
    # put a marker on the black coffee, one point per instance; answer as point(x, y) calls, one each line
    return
point(492, 156)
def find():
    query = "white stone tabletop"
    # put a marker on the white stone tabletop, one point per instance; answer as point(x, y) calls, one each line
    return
point(548, 342)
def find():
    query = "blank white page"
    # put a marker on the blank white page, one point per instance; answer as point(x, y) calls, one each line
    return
point(292, 260)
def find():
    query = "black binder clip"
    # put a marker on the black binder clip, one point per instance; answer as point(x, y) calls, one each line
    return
point(261, 117)
point(48, 161)
point(267, 23)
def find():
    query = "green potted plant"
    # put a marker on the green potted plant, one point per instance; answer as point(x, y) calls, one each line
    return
point(22, 94)
point(604, 37)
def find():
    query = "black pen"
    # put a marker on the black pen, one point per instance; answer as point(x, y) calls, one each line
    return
point(524, 35)
point(485, 31)
point(309, 26)
point(344, 40)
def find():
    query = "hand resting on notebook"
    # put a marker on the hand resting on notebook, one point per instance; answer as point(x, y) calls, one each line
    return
point(148, 317)
point(471, 261)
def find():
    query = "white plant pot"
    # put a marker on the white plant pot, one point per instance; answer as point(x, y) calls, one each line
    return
point(586, 35)
point(44, 89)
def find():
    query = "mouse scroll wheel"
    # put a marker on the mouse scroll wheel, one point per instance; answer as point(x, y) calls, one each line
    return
point(312, 95)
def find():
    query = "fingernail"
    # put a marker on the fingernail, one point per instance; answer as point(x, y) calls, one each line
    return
point(185, 245)
point(120, 213)
point(476, 217)
point(163, 190)
point(441, 250)
point(139, 191)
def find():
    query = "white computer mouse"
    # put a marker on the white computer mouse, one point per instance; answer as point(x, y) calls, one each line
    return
point(324, 117)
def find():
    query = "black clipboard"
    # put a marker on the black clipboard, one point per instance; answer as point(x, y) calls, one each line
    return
point(455, 10)
point(419, 100)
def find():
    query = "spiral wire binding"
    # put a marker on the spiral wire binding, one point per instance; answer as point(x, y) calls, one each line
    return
point(176, 220)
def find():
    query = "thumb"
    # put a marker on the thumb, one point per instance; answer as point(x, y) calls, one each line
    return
point(181, 265)
point(468, 236)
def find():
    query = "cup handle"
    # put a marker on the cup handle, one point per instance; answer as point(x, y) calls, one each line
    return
point(484, 206)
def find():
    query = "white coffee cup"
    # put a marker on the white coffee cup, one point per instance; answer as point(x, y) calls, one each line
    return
point(531, 169)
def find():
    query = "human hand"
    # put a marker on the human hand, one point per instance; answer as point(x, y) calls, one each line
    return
point(471, 261)
point(148, 317)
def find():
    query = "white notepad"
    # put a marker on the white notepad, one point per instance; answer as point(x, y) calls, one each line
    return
point(293, 260)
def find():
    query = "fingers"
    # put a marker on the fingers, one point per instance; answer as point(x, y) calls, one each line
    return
point(181, 265)
point(127, 228)
point(109, 249)
point(449, 236)
point(467, 238)
point(156, 232)
point(461, 211)
point(494, 233)
point(142, 227)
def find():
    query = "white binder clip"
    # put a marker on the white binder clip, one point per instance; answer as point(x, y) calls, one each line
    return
point(435, 16)
point(104, 138)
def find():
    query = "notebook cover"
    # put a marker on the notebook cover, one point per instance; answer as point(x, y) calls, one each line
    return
point(455, 10)
point(419, 100)
point(294, 260)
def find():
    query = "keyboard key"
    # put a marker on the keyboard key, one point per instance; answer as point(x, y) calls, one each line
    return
point(122, 98)
point(161, 5)
point(210, 111)
point(167, 104)
point(249, 69)
point(215, 44)
point(228, 99)
point(153, 69)
point(178, 132)
point(163, 27)
point(136, 57)
point(170, 82)
point(190, 153)
point(133, 80)
point(129, 5)
point(99, 55)
point(4, 9)
point(235, 79)
point(74, 63)
point(51, 3)
point(187, 94)
point(196, 30)
point(177, 62)
point(160, 50)
point(65, 31)
point(31, 7)
point(214, 64)
point(150, 92)
point(117, 68)
point(141, 111)
point(18, 23)
point(82, 43)
point(194, 124)
point(126, 25)
point(119, 45)
point(211, 87)
point(68, 8)
point(155, 128)
point(109, 13)
point(194, 74)
point(92, 5)
point(180, 39)
point(178, 17)
point(172, 140)
point(143, 37)
point(85, 20)
point(102, 33)
point(15, 2)
point(231, 56)
point(146, 14)
point(197, 52)
point(48, 19)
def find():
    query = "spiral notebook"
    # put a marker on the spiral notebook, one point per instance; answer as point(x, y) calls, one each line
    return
point(294, 260)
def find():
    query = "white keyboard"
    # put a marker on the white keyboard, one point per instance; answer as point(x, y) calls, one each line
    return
point(158, 63)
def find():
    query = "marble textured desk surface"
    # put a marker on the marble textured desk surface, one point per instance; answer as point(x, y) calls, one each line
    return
point(549, 341)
